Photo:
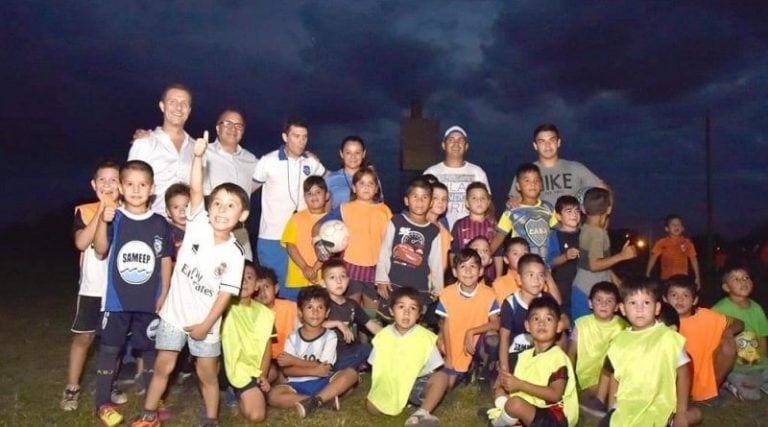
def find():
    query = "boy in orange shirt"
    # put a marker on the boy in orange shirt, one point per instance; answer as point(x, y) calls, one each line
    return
point(509, 283)
point(303, 266)
point(286, 313)
point(675, 252)
point(468, 314)
point(709, 338)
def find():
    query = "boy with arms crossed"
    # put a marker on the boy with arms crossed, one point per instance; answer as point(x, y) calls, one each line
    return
point(208, 271)
point(138, 244)
point(405, 363)
point(308, 359)
point(563, 252)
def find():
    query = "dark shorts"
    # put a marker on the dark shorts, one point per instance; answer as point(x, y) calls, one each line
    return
point(366, 288)
point(606, 421)
point(87, 315)
point(253, 384)
point(417, 391)
point(352, 356)
point(550, 417)
point(142, 327)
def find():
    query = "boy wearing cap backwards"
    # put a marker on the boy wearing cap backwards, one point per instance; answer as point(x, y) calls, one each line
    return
point(456, 173)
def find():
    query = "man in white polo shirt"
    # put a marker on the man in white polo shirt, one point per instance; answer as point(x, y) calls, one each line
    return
point(456, 173)
point(168, 148)
point(228, 161)
point(281, 175)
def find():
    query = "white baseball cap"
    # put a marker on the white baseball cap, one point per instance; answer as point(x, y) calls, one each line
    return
point(452, 129)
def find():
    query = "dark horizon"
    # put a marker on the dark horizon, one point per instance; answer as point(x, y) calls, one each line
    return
point(627, 83)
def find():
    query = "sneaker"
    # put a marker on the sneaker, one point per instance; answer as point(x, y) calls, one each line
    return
point(109, 415)
point(163, 412)
point(118, 397)
point(764, 388)
point(307, 406)
point(731, 388)
point(147, 420)
point(70, 398)
point(422, 420)
point(230, 399)
point(593, 406)
point(333, 404)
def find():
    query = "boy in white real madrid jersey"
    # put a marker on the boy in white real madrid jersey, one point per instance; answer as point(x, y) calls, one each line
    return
point(138, 245)
point(208, 271)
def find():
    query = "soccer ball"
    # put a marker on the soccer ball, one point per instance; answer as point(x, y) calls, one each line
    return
point(334, 236)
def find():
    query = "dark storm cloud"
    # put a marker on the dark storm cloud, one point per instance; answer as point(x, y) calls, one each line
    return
point(652, 52)
point(628, 83)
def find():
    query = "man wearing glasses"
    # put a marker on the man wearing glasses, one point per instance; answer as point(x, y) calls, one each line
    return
point(227, 161)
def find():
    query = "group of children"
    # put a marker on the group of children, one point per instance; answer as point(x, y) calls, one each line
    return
point(531, 312)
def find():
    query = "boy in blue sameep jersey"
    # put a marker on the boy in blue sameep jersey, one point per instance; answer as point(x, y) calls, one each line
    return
point(138, 245)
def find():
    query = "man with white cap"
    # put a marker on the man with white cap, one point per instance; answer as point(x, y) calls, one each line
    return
point(456, 173)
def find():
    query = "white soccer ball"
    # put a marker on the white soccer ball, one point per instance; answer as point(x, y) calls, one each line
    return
point(334, 235)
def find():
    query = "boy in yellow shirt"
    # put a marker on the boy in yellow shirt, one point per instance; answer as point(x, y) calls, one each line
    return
point(405, 363)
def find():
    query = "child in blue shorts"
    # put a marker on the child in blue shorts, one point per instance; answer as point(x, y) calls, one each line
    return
point(308, 358)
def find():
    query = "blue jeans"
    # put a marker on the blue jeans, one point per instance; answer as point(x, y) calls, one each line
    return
point(579, 304)
point(271, 254)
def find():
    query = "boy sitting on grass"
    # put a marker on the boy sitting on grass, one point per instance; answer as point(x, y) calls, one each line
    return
point(649, 364)
point(308, 358)
point(405, 363)
point(542, 390)
point(246, 333)
point(589, 341)
point(286, 314)
point(469, 320)
point(346, 318)
point(750, 375)
point(709, 338)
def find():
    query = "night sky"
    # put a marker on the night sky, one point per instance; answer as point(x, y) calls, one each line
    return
point(627, 83)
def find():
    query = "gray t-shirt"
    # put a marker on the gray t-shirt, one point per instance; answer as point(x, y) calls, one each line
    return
point(567, 177)
point(594, 243)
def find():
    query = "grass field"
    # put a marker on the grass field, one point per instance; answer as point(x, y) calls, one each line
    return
point(36, 304)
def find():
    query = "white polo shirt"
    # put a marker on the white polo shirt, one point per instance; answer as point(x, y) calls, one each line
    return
point(457, 180)
point(222, 166)
point(203, 269)
point(282, 191)
point(170, 166)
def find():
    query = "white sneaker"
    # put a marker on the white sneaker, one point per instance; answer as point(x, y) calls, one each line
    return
point(70, 399)
point(118, 397)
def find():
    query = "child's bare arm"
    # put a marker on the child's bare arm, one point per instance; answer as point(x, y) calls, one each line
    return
point(627, 252)
point(84, 236)
point(498, 239)
point(551, 393)
point(573, 345)
point(552, 288)
point(651, 262)
point(266, 362)
point(734, 326)
point(695, 266)
point(100, 239)
point(307, 270)
point(683, 385)
point(373, 327)
point(504, 349)
point(196, 175)
point(166, 268)
point(469, 337)
point(200, 330)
